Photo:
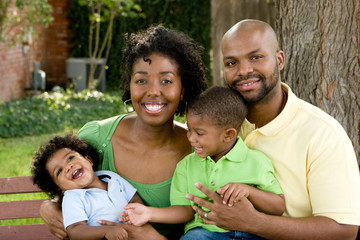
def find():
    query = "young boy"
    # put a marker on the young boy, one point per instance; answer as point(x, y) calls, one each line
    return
point(222, 162)
point(64, 167)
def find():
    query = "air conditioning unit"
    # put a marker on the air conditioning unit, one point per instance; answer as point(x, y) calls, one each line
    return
point(78, 69)
point(38, 78)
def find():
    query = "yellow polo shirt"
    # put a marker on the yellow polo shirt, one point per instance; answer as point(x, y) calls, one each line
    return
point(314, 161)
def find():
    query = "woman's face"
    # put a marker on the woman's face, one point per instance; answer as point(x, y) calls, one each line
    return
point(155, 88)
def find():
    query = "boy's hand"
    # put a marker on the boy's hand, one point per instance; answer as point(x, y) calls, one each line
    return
point(116, 233)
point(135, 214)
point(233, 192)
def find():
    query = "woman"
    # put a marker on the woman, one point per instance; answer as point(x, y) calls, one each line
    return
point(162, 71)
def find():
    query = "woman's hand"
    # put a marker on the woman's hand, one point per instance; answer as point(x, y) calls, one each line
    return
point(137, 233)
point(50, 212)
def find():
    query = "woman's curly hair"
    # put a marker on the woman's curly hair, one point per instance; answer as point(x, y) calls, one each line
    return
point(172, 44)
point(41, 176)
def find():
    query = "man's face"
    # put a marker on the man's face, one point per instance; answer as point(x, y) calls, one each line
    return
point(251, 64)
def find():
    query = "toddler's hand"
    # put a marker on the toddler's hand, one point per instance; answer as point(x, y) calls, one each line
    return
point(233, 192)
point(135, 214)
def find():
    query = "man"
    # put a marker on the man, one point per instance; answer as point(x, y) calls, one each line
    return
point(313, 157)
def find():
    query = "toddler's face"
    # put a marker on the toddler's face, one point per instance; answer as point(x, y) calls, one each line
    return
point(70, 170)
point(206, 138)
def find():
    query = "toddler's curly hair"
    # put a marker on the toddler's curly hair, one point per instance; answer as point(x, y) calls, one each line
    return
point(41, 176)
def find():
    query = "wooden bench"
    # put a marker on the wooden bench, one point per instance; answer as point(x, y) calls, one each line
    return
point(21, 209)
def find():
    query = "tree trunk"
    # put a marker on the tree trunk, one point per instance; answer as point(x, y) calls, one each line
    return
point(224, 14)
point(321, 41)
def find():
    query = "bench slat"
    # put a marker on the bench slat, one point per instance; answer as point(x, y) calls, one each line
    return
point(28, 232)
point(17, 185)
point(20, 209)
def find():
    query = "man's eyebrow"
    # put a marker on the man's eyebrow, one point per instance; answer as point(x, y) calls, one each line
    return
point(254, 51)
point(249, 53)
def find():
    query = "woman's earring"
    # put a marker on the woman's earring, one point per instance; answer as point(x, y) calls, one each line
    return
point(128, 106)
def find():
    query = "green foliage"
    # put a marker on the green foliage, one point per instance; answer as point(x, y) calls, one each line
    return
point(57, 111)
point(190, 16)
point(18, 23)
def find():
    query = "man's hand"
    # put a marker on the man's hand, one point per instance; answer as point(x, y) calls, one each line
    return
point(231, 218)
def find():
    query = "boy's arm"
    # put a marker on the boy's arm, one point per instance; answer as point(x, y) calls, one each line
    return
point(267, 202)
point(80, 230)
point(138, 214)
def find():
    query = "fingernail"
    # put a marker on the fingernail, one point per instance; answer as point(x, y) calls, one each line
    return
point(187, 196)
point(197, 184)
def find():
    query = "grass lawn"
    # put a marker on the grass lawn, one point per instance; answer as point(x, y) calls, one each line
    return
point(16, 154)
point(15, 160)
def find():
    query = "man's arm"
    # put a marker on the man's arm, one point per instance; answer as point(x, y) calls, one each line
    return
point(244, 217)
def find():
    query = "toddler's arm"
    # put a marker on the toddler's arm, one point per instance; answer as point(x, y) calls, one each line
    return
point(266, 202)
point(138, 214)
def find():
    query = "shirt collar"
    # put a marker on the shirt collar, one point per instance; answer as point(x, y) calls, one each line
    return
point(282, 120)
point(236, 154)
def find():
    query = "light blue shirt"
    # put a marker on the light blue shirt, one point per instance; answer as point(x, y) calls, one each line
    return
point(95, 204)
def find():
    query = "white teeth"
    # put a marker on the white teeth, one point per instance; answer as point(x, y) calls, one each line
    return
point(153, 107)
point(247, 84)
point(75, 172)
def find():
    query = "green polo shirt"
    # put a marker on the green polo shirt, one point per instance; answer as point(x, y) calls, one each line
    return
point(240, 165)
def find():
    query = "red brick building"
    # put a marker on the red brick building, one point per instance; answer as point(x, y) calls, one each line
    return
point(51, 48)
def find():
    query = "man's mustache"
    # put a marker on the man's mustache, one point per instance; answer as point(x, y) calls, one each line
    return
point(246, 77)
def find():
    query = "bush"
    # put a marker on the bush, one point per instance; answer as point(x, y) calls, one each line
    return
point(56, 111)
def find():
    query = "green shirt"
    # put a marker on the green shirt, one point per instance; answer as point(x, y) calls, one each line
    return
point(98, 134)
point(239, 165)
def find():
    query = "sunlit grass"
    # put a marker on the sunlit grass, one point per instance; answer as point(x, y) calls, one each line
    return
point(15, 160)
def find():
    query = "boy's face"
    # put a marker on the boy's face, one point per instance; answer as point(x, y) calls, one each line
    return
point(206, 138)
point(70, 170)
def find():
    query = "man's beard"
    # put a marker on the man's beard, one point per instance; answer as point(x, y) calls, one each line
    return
point(264, 88)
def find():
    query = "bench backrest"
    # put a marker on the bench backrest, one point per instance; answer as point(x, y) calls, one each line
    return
point(21, 209)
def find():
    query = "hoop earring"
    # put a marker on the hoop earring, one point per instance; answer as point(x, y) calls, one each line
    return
point(128, 106)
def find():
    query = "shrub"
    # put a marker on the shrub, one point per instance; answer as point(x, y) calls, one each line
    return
point(56, 111)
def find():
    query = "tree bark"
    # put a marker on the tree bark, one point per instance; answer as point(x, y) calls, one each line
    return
point(224, 14)
point(321, 41)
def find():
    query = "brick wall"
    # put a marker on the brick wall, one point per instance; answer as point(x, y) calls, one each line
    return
point(50, 47)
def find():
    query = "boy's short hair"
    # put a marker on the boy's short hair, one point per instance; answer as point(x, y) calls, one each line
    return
point(41, 176)
point(224, 106)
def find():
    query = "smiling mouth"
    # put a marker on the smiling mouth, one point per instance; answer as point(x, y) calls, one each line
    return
point(154, 108)
point(247, 84)
point(198, 150)
point(77, 173)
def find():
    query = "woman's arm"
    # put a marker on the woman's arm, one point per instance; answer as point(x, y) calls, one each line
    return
point(264, 201)
point(50, 212)
point(81, 231)
point(145, 232)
